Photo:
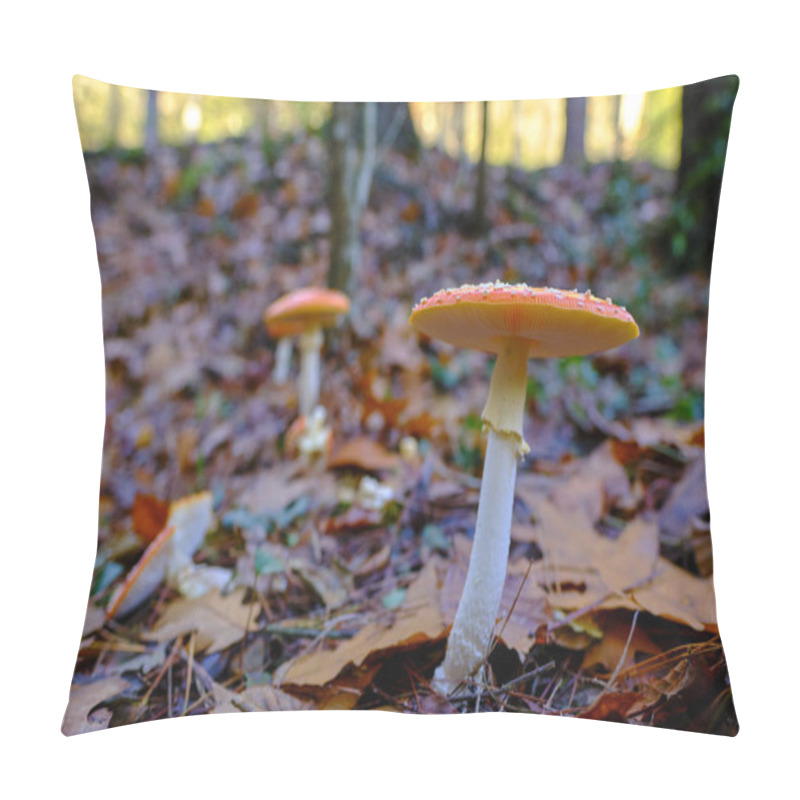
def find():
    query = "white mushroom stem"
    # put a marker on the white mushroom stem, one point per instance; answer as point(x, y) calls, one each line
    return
point(310, 344)
point(283, 360)
point(479, 606)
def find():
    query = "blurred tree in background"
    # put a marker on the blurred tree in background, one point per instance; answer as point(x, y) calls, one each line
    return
point(351, 169)
point(683, 130)
point(706, 114)
point(574, 152)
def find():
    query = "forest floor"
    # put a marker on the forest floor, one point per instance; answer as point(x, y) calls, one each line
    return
point(330, 582)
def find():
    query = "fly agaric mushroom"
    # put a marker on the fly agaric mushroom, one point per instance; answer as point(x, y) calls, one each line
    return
point(515, 322)
point(283, 332)
point(310, 309)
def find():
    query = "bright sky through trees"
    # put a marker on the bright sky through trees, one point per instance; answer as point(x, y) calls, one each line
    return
point(527, 132)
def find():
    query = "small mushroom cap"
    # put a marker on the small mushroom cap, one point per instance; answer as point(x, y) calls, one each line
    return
point(277, 329)
point(308, 306)
point(556, 322)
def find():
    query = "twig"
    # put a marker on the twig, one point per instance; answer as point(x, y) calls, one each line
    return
point(672, 656)
point(247, 624)
point(574, 688)
point(557, 681)
point(624, 650)
point(164, 667)
point(169, 690)
point(411, 676)
point(522, 678)
point(622, 658)
point(188, 673)
point(516, 597)
point(482, 678)
point(493, 641)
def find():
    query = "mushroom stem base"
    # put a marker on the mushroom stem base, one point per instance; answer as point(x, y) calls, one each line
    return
point(480, 601)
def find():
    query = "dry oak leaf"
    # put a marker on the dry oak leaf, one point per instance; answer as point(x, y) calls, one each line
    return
point(687, 500)
point(219, 620)
point(83, 698)
point(569, 542)
point(676, 594)
point(593, 484)
point(363, 453)
point(631, 558)
point(255, 698)
point(628, 569)
point(273, 489)
point(331, 587)
point(416, 621)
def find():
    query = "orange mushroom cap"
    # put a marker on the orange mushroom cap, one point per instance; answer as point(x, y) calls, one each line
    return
point(307, 306)
point(278, 329)
point(556, 322)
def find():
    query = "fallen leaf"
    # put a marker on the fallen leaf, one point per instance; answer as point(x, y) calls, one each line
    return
point(593, 484)
point(245, 206)
point(687, 500)
point(664, 687)
point(326, 583)
point(274, 489)
point(83, 698)
point(605, 654)
point(255, 698)
point(678, 595)
point(149, 515)
point(611, 707)
point(353, 519)
point(416, 621)
point(94, 620)
point(363, 453)
point(219, 620)
point(629, 559)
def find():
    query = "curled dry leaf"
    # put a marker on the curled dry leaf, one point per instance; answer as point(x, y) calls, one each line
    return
point(363, 453)
point(167, 555)
point(418, 620)
point(149, 515)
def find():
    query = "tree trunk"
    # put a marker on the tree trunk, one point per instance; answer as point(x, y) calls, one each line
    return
point(460, 130)
point(706, 110)
point(350, 183)
point(260, 127)
point(478, 222)
point(576, 130)
point(616, 102)
point(151, 123)
point(516, 133)
point(396, 129)
point(114, 110)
